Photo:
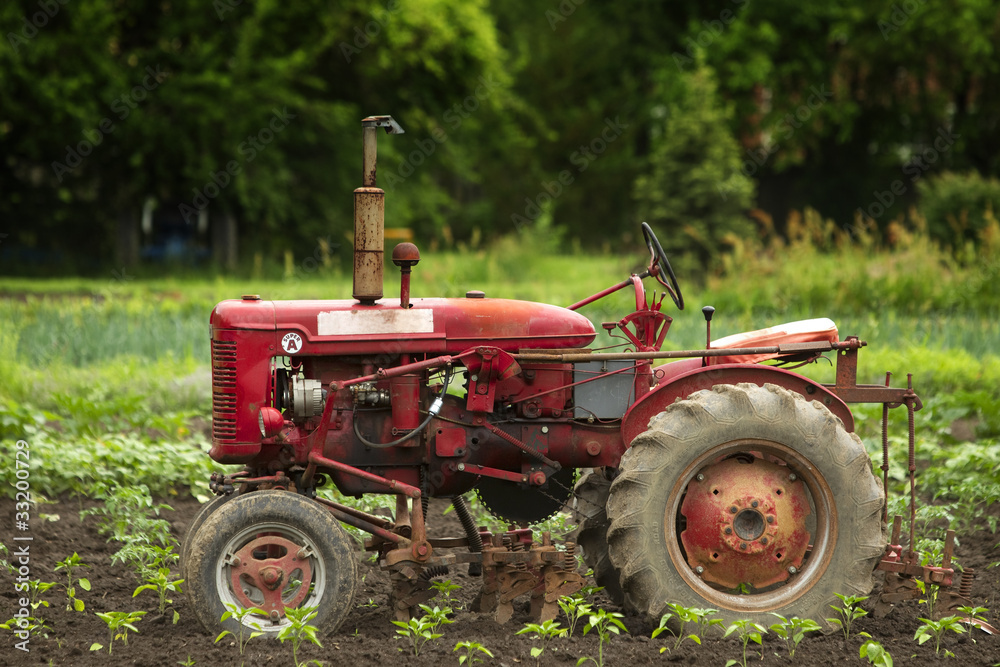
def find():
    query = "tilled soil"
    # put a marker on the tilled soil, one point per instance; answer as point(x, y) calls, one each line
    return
point(368, 638)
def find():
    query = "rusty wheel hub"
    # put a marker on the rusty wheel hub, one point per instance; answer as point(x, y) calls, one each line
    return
point(272, 573)
point(746, 523)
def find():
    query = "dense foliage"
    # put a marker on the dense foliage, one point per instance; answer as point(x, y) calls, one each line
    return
point(582, 116)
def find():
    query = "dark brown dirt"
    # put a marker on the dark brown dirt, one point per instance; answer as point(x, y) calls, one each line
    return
point(368, 638)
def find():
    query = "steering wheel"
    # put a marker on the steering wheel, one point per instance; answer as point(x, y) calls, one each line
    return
point(658, 263)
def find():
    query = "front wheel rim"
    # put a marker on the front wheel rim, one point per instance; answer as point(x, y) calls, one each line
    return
point(284, 572)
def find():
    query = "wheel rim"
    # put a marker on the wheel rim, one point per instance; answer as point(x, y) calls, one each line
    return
point(271, 566)
point(756, 558)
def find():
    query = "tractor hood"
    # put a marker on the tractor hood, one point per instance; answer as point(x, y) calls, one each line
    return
point(440, 326)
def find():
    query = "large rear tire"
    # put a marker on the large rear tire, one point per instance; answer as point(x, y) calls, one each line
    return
point(271, 550)
point(749, 500)
point(590, 506)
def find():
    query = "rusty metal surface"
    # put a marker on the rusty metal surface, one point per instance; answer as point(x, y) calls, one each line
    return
point(746, 523)
point(369, 222)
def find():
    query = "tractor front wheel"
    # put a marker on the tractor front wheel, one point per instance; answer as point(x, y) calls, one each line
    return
point(748, 500)
point(270, 551)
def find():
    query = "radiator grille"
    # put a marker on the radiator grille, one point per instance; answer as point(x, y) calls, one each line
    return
point(224, 391)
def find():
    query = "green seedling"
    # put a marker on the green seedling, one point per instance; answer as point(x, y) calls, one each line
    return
point(424, 629)
point(936, 630)
point(747, 631)
point(849, 611)
point(241, 614)
point(544, 632)
point(119, 623)
point(470, 649)
point(186, 663)
point(793, 630)
point(35, 627)
point(605, 623)
point(145, 558)
point(162, 585)
point(445, 589)
point(37, 588)
point(299, 630)
point(974, 614)
point(575, 608)
point(876, 654)
point(684, 615)
point(69, 564)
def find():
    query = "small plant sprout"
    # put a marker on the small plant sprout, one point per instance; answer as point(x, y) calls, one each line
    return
point(604, 623)
point(241, 614)
point(543, 632)
point(684, 615)
point(937, 629)
point(35, 627)
point(876, 654)
point(119, 623)
point(849, 611)
point(445, 589)
point(299, 630)
point(162, 585)
point(186, 663)
point(792, 630)
point(69, 564)
point(575, 608)
point(37, 588)
point(974, 616)
point(747, 631)
point(422, 630)
point(470, 649)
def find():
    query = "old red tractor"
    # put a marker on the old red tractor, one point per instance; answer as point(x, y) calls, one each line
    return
point(721, 479)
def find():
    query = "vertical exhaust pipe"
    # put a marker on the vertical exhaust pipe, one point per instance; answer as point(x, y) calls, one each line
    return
point(369, 215)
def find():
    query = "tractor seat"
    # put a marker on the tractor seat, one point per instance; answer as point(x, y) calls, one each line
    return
point(821, 329)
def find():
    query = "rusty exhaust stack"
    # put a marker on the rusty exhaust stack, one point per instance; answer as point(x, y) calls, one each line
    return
point(369, 215)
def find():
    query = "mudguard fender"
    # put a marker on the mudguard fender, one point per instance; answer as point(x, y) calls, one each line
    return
point(681, 379)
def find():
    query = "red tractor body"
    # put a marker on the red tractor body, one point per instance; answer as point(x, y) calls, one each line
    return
point(718, 479)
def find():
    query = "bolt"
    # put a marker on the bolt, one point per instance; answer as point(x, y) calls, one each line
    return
point(792, 569)
point(763, 540)
point(700, 477)
point(729, 531)
point(545, 429)
point(754, 504)
point(461, 467)
point(743, 545)
point(235, 561)
point(792, 477)
point(733, 510)
point(474, 378)
point(770, 518)
point(699, 569)
point(275, 616)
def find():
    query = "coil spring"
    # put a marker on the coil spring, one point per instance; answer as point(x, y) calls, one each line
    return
point(965, 587)
point(569, 557)
point(461, 506)
point(433, 571)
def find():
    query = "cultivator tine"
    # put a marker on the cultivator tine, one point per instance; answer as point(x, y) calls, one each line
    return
point(408, 592)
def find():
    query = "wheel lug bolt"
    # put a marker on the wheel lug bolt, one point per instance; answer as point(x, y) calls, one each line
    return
point(770, 519)
point(754, 504)
point(700, 477)
point(792, 477)
point(729, 531)
point(733, 510)
point(743, 545)
point(763, 540)
point(792, 569)
point(699, 569)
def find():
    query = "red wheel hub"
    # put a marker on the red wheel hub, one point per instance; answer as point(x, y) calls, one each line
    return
point(746, 522)
point(271, 564)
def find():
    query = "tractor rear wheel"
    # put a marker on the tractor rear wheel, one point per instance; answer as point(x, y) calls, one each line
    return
point(748, 500)
point(270, 550)
point(590, 501)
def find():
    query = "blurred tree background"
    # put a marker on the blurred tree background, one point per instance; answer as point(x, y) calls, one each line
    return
point(128, 125)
